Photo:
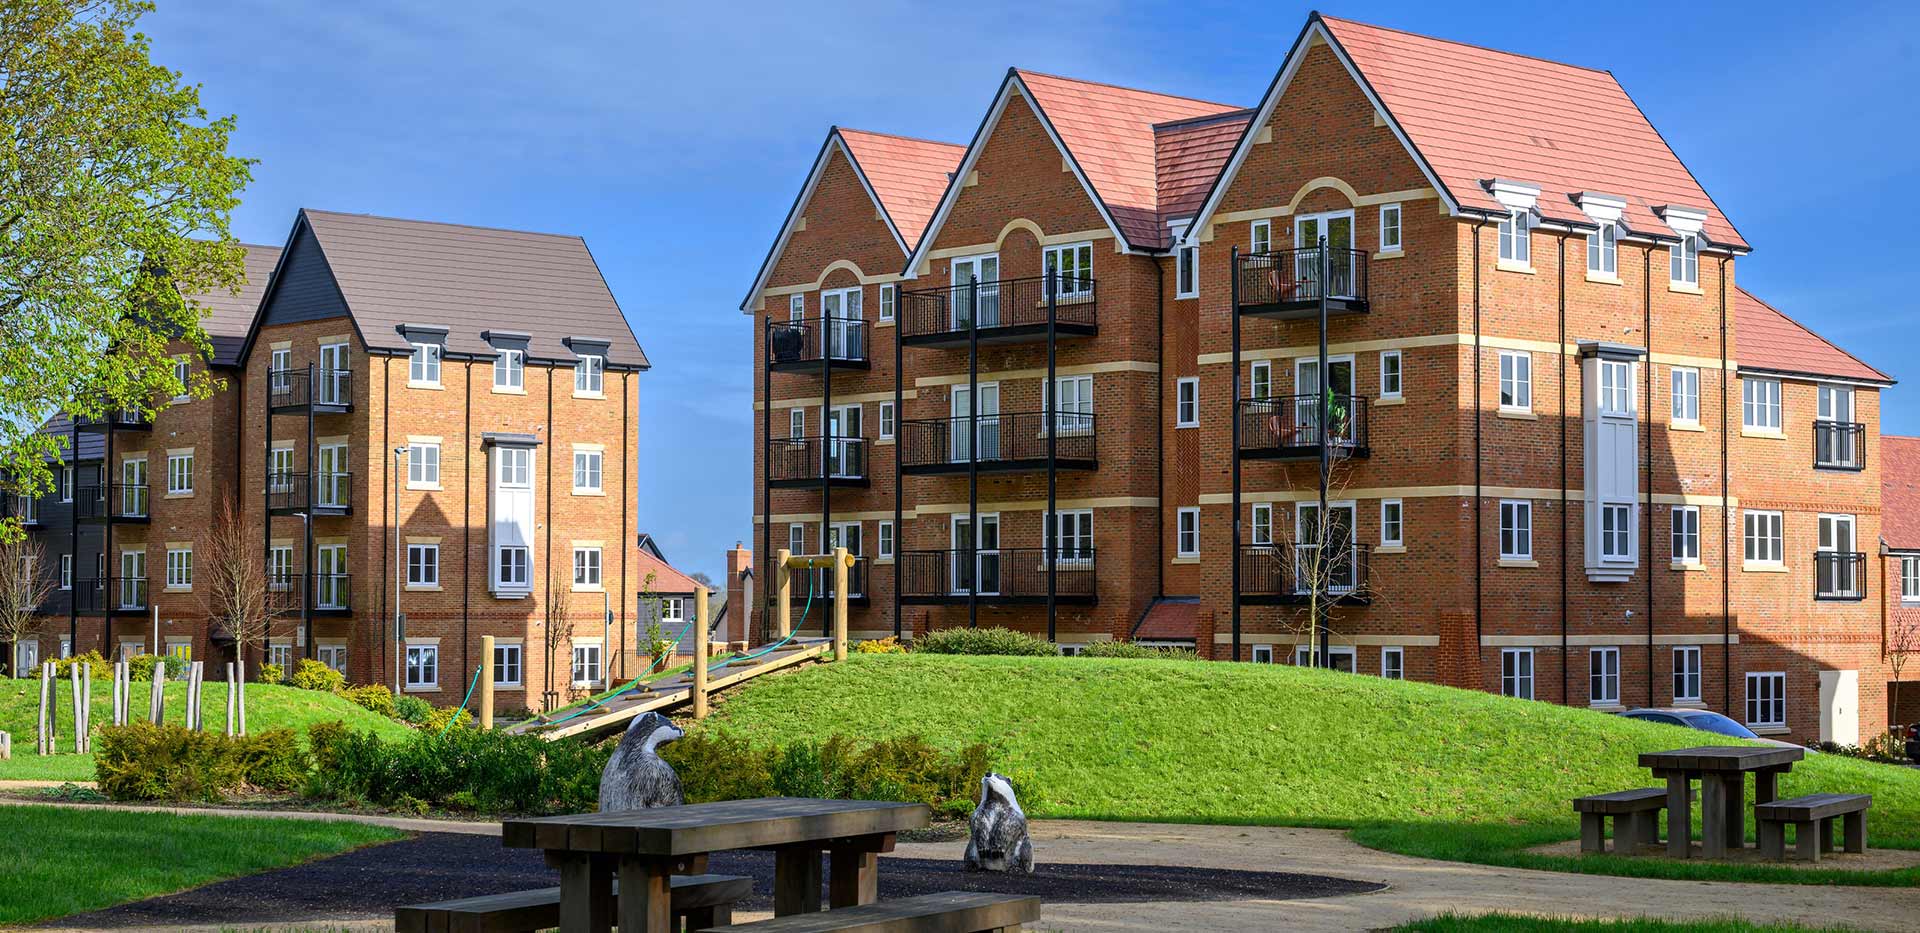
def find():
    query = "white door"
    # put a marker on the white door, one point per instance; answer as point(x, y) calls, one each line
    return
point(989, 424)
point(1837, 575)
point(1307, 401)
point(133, 488)
point(1836, 406)
point(844, 534)
point(330, 588)
point(841, 317)
point(1337, 227)
point(1073, 405)
point(985, 566)
point(333, 374)
point(133, 579)
point(984, 270)
point(844, 445)
point(331, 479)
point(1336, 569)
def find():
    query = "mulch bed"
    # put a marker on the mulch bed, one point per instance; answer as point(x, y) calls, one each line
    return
point(367, 884)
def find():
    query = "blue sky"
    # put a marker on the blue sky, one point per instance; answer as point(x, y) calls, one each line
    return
point(674, 136)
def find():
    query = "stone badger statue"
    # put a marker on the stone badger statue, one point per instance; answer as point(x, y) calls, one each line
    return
point(999, 840)
point(636, 778)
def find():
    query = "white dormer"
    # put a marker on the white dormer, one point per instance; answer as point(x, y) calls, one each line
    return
point(1602, 209)
point(1514, 195)
point(1685, 221)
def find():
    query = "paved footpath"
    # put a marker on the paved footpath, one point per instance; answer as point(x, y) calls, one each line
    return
point(1416, 887)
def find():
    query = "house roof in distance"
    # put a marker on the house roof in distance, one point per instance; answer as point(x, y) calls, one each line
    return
point(1900, 491)
point(228, 315)
point(469, 280)
point(1771, 341)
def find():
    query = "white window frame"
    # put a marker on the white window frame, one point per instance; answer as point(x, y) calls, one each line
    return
point(423, 366)
point(1261, 654)
point(796, 422)
point(1763, 537)
point(1393, 523)
point(1186, 402)
point(1603, 251)
point(522, 580)
point(1260, 527)
point(889, 295)
point(884, 543)
point(586, 668)
point(515, 469)
point(1076, 545)
point(423, 565)
point(1767, 708)
point(1616, 387)
point(180, 474)
point(180, 568)
point(421, 660)
point(280, 469)
point(797, 538)
point(1077, 420)
point(1260, 379)
point(183, 374)
point(1616, 531)
point(1390, 223)
point(1760, 404)
point(1516, 381)
point(1684, 260)
point(1186, 532)
point(67, 479)
point(508, 664)
point(887, 427)
point(1081, 279)
point(1393, 662)
point(587, 567)
point(1393, 378)
point(1260, 237)
point(1910, 579)
point(333, 656)
point(589, 375)
point(1516, 520)
point(1684, 524)
point(66, 571)
point(510, 370)
point(423, 465)
point(1603, 676)
point(1516, 246)
point(1186, 272)
point(796, 307)
point(1684, 383)
point(1514, 682)
point(589, 471)
point(1688, 674)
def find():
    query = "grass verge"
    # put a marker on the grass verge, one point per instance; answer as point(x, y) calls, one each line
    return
point(56, 861)
point(1413, 768)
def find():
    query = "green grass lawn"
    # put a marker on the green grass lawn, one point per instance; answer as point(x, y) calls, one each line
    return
point(268, 706)
point(1522, 923)
point(56, 861)
point(1409, 767)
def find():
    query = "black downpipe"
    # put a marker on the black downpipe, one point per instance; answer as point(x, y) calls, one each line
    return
point(1646, 427)
point(766, 471)
point(1051, 527)
point(1566, 551)
point(1726, 517)
point(387, 570)
point(1233, 407)
point(827, 431)
point(466, 661)
point(266, 492)
point(627, 505)
point(973, 451)
point(899, 419)
point(1479, 520)
point(313, 483)
point(547, 586)
point(73, 536)
point(1325, 404)
point(1160, 429)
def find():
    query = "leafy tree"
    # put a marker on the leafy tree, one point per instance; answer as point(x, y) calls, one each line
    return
point(115, 190)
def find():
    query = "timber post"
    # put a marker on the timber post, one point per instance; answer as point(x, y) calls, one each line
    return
point(700, 652)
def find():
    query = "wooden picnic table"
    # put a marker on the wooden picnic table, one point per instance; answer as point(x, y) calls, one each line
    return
point(645, 848)
point(1722, 772)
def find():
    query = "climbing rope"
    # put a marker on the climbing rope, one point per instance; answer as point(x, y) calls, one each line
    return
point(463, 703)
point(795, 630)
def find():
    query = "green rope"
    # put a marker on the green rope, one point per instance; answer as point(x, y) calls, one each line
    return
point(463, 703)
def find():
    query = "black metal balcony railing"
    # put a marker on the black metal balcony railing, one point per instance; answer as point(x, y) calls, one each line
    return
point(332, 592)
point(1839, 575)
point(1290, 425)
point(820, 583)
point(128, 593)
point(1005, 308)
point(1839, 445)
point(1287, 573)
point(842, 340)
point(292, 388)
point(1003, 574)
point(1292, 280)
point(799, 460)
point(126, 502)
point(115, 420)
point(1007, 440)
point(321, 493)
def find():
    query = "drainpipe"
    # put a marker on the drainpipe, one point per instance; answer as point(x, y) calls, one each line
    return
point(766, 456)
point(1233, 407)
point(1479, 520)
point(1646, 422)
point(1726, 517)
point(899, 442)
point(973, 451)
point(1325, 404)
point(1565, 551)
point(1051, 392)
point(1160, 431)
point(828, 432)
point(394, 570)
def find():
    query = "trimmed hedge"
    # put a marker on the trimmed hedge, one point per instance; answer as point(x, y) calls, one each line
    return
point(466, 769)
point(720, 766)
point(992, 640)
point(142, 761)
point(1127, 649)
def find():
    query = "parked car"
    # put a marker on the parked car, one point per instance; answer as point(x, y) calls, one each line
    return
point(1705, 720)
point(1913, 742)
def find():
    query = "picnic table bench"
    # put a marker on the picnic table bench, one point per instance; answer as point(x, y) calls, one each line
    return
point(1721, 771)
point(1635, 813)
point(947, 912)
point(701, 900)
point(1813, 817)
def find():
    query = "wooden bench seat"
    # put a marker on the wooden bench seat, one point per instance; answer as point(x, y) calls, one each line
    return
point(1813, 817)
point(1635, 814)
point(946, 912)
point(702, 900)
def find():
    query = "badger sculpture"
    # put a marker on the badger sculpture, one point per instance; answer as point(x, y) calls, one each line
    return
point(998, 841)
point(636, 778)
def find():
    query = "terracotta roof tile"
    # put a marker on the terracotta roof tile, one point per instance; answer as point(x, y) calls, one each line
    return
point(1900, 491)
point(230, 314)
point(1767, 339)
point(908, 175)
point(1187, 157)
point(1169, 619)
point(666, 580)
point(1110, 132)
point(1477, 113)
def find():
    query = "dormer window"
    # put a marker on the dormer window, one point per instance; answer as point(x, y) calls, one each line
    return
point(510, 370)
point(1515, 244)
point(587, 375)
point(1603, 251)
point(423, 369)
point(1685, 259)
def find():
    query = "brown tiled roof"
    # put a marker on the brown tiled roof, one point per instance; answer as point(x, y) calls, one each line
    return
point(1188, 155)
point(1110, 133)
point(471, 279)
point(1769, 340)
point(907, 175)
point(228, 315)
point(1900, 491)
point(1170, 619)
point(665, 579)
point(1476, 114)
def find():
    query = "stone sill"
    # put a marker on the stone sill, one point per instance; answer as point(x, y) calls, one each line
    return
point(1750, 567)
point(1684, 289)
point(1688, 565)
point(1601, 279)
point(1763, 433)
point(430, 386)
point(1770, 730)
point(1517, 414)
point(1390, 254)
point(1387, 401)
point(1390, 549)
point(1184, 560)
point(1507, 265)
point(1685, 426)
point(1519, 564)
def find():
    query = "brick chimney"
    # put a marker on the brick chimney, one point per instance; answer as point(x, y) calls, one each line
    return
point(740, 609)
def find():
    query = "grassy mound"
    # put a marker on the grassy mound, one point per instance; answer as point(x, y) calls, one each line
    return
point(1410, 767)
point(268, 706)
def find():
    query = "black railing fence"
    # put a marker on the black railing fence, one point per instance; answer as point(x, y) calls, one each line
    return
point(814, 457)
point(310, 490)
point(1005, 436)
point(1840, 445)
point(1291, 421)
point(997, 304)
point(1290, 570)
point(293, 387)
point(817, 338)
point(1006, 573)
point(1295, 276)
point(1839, 575)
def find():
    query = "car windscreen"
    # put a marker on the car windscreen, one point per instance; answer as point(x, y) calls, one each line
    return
point(1714, 722)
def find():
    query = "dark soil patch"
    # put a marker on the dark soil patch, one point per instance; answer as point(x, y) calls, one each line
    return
point(367, 884)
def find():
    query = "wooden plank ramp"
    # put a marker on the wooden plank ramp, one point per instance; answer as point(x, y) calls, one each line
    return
point(675, 690)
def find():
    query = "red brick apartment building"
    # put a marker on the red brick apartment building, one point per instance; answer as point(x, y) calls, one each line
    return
point(1567, 457)
point(475, 385)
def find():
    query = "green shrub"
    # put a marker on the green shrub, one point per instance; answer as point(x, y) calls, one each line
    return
point(373, 697)
point(887, 645)
point(993, 640)
point(1132, 650)
point(411, 709)
point(438, 720)
point(142, 761)
point(313, 675)
point(466, 769)
point(720, 766)
point(271, 674)
point(101, 669)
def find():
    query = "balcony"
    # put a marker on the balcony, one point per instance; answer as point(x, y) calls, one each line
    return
point(294, 390)
point(1015, 576)
point(1010, 442)
point(800, 462)
point(115, 421)
point(820, 584)
point(803, 345)
point(1005, 311)
point(1286, 284)
point(114, 593)
point(1839, 576)
point(1839, 445)
point(120, 503)
point(1282, 575)
point(1287, 427)
point(332, 593)
point(293, 493)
